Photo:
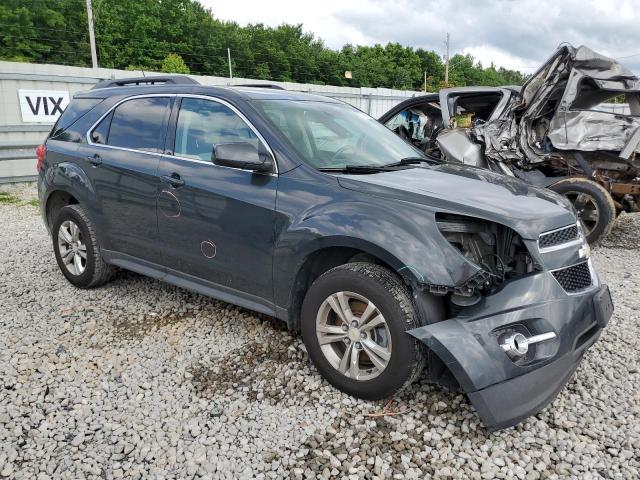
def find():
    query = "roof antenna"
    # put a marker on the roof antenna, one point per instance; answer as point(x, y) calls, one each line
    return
point(143, 73)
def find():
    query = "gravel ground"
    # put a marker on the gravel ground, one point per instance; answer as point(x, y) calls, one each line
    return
point(140, 379)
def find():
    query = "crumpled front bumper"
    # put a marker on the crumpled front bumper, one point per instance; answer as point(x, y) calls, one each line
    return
point(504, 391)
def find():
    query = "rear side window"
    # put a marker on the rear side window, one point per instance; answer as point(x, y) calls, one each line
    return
point(101, 132)
point(76, 109)
point(136, 124)
point(205, 123)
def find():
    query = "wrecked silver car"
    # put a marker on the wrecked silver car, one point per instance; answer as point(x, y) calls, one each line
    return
point(554, 132)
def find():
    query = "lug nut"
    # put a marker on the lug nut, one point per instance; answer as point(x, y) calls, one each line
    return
point(358, 346)
point(354, 324)
point(363, 335)
point(344, 328)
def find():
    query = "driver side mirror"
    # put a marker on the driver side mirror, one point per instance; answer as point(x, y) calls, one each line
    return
point(243, 155)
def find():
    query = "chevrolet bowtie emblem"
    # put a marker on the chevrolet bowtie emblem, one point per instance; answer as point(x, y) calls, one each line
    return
point(585, 251)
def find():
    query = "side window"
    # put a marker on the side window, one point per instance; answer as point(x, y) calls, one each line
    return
point(136, 124)
point(467, 109)
point(101, 132)
point(205, 123)
point(417, 124)
point(76, 109)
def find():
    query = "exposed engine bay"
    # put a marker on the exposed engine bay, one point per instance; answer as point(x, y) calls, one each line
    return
point(497, 250)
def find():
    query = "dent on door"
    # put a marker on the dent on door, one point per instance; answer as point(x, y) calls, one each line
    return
point(219, 226)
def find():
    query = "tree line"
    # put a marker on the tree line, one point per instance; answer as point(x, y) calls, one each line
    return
point(184, 36)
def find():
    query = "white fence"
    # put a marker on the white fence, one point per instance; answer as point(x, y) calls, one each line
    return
point(18, 138)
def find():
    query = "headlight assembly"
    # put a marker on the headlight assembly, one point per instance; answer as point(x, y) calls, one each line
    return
point(497, 250)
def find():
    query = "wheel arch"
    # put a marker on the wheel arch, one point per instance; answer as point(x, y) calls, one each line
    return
point(56, 200)
point(327, 256)
point(66, 183)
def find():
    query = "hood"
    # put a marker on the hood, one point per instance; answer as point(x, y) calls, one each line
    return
point(470, 191)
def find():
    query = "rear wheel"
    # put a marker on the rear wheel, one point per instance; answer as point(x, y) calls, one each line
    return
point(76, 248)
point(354, 323)
point(592, 202)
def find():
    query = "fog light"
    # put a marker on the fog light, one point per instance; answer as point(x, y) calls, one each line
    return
point(516, 345)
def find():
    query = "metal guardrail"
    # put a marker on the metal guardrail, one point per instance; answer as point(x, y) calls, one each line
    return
point(17, 157)
point(18, 179)
point(13, 151)
point(21, 151)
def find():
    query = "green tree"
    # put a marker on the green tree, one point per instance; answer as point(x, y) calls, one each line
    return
point(173, 63)
point(143, 34)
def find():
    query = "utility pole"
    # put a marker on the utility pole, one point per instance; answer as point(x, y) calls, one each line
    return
point(229, 58)
point(92, 37)
point(446, 62)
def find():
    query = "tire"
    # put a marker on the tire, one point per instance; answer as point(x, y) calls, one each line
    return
point(93, 271)
point(589, 198)
point(391, 299)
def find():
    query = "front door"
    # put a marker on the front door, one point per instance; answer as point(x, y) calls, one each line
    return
point(216, 224)
point(122, 161)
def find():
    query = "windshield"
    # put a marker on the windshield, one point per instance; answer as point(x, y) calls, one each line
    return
point(335, 135)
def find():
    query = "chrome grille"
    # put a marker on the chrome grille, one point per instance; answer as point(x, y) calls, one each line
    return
point(558, 237)
point(574, 278)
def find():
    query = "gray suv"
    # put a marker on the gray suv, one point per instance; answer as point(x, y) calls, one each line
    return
point(389, 263)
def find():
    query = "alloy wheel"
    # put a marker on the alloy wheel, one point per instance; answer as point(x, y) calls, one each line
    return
point(353, 335)
point(587, 209)
point(73, 250)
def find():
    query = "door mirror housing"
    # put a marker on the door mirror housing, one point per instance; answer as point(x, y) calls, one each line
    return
point(243, 155)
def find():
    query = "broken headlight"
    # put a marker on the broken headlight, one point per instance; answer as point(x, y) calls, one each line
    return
point(497, 250)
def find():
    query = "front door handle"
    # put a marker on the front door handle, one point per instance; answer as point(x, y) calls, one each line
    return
point(174, 180)
point(94, 159)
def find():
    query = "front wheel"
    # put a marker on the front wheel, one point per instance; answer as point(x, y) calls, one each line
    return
point(354, 323)
point(592, 202)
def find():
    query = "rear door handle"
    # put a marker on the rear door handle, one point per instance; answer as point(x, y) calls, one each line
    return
point(174, 180)
point(94, 159)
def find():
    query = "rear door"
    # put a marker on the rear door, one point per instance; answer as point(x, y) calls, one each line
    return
point(122, 158)
point(216, 224)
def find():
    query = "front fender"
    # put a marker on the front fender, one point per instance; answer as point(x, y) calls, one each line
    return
point(402, 234)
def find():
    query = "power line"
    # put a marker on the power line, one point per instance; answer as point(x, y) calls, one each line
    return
point(628, 56)
point(244, 61)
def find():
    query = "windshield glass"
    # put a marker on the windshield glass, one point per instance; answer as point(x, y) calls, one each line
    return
point(334, 135)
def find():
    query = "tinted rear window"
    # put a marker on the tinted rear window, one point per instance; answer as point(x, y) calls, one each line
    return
point(76, 109)
point(139, 123)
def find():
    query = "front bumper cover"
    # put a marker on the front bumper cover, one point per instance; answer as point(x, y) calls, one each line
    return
point(503, 391)
point(507, 403)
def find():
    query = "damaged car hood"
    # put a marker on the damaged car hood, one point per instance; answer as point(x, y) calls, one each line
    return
point(465, 190)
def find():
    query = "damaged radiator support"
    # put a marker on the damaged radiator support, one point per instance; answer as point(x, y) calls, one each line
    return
point(496, 251)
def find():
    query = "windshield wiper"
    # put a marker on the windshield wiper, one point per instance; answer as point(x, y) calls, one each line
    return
point(412, 161)
point(357, 169)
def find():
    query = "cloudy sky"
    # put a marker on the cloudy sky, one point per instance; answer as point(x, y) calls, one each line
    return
point(518, 34)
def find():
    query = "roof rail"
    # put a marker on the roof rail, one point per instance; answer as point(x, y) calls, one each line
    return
point(152, 80)
point(259, 85)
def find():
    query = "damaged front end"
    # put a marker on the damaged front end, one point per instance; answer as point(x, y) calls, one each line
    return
point(496, 250)
point(517, 330)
